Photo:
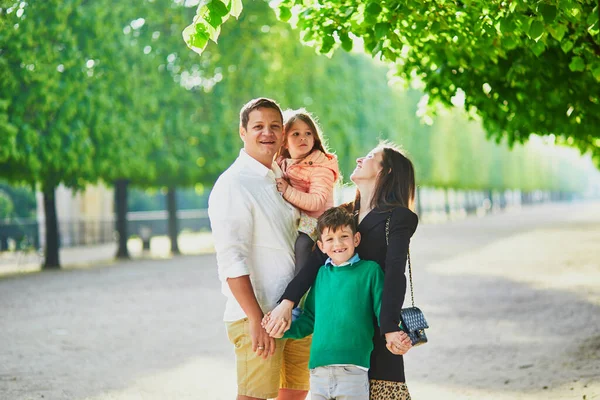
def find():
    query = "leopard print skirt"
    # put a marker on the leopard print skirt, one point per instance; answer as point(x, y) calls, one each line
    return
point(388, 390)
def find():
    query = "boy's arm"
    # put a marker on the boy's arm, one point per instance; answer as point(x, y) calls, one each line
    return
point(377, 290)
point(304, 325)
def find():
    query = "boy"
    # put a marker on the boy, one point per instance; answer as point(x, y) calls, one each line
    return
point(339, 311)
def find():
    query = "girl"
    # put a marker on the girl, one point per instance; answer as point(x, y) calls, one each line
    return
point(309, 174)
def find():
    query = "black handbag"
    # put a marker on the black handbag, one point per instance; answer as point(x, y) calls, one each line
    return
point(412, 320)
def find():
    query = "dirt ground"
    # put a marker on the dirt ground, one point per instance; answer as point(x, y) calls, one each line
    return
point(513, 301)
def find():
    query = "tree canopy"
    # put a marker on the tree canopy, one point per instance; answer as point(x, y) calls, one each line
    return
point(524, 67)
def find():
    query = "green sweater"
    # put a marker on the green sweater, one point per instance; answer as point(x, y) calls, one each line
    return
point(339, 311)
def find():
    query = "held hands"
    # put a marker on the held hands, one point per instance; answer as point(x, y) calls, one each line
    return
point(278, 321)
point(282, 185)
point(397, 342)
point(262, 344)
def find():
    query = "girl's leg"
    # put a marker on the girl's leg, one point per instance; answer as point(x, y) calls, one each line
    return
point(303, 250)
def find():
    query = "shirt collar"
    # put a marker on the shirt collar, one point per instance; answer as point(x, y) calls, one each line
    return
point(353, 260)
point(254, 165)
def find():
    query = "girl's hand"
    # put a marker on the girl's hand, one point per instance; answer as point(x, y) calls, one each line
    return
point(278, 321)
point(398, 342)
point(282, 185)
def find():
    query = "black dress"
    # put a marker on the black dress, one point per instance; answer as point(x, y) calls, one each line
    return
point(392, 259)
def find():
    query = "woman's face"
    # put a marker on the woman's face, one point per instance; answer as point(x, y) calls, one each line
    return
point(368, 167)
point(300, 139)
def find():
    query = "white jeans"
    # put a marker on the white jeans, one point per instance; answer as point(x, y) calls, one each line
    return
point(339, 383)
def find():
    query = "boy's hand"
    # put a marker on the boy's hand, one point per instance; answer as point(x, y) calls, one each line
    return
point(398, 342)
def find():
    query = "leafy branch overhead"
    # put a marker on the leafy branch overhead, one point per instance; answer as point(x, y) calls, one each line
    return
point(525, 67)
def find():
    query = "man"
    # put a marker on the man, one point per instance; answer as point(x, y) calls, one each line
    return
point(254, 231)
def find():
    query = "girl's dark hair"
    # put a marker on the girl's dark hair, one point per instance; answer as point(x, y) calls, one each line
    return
point(395, 183)
point(290, 117)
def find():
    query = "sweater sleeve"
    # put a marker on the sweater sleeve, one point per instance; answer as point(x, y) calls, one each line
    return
point(320, 188)
point(304, 325)
point(377, 280)
point(403, 224)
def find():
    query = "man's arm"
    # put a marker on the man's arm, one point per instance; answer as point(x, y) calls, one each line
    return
point(231, 219)
point(242, 290)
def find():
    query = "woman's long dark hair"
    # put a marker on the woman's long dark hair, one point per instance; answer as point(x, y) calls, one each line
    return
point(395, 183)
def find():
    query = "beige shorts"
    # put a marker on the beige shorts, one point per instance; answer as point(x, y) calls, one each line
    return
point(257, 377)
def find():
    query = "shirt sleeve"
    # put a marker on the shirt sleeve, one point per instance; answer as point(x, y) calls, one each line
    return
point(377, 280)
point(231, 216)
point(403, 224)
point(305, 324)
point(321, 185)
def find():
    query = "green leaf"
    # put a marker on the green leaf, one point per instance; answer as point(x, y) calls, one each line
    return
point(236, 8)
point(218, 8)
point(507, 25)
point(373, 9)
point(346, 41)
point(509, 42)
point(381, 30)
point(536, 30)
point(538, 48)
point(548, 12)
point(577, 64)
point(327, 44)
point(566, 46)
point(558, 32)
point(592, 18)
point(284, 14)
point(214, 20)
point(596, 73)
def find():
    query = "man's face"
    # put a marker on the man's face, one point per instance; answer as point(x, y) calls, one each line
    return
point(263, 135)
point(339, 245)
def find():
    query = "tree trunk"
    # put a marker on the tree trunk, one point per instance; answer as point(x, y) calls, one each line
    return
point(172, 211)
point(447, 201)
point(51, 256)
point(121, 220)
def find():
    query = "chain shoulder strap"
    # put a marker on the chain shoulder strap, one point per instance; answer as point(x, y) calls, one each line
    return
point(387, 242)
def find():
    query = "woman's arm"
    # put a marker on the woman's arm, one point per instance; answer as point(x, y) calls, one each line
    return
point(403, 224)
point(322, 180)
point(279, 319)
point(305, 278)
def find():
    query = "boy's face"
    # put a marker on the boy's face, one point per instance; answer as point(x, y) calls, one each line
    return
point(339, 245)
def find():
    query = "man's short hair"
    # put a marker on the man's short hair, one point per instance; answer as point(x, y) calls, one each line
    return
point(255, 104)
point(335, 218)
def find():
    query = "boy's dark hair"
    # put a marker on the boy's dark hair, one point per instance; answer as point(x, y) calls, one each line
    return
point(255, 104)
point(335, 218)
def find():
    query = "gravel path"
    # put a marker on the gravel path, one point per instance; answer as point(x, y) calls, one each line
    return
point(513, 301)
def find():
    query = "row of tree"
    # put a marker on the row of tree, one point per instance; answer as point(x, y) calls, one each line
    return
point(525, 67)
point(104, 91)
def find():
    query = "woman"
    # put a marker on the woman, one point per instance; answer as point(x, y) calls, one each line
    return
point(385, 191)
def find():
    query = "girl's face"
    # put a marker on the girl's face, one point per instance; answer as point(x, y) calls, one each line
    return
point(300, 139)
point(368, 167)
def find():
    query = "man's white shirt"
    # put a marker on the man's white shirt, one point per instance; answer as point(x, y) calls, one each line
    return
point(254, 231)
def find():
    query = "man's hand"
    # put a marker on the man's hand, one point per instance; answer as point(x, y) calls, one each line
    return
point(262, 344)
point(278, 321)
point(282, 185)
point(398, 342)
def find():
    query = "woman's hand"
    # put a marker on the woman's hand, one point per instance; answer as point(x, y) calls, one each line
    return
point(398, 342)
point(282, 185)
point(279, 319)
